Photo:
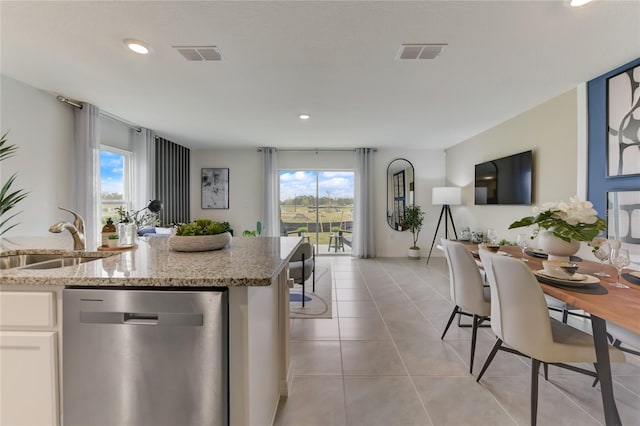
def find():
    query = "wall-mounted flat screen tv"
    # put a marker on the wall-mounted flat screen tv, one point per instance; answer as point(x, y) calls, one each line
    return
point(505, 180)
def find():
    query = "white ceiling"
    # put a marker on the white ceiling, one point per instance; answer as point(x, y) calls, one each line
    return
point(332, 59)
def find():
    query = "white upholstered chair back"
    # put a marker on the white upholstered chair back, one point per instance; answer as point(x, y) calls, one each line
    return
point(466, 285)
point(518, 307)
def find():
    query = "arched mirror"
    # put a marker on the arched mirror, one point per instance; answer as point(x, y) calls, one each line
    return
point(400, 191)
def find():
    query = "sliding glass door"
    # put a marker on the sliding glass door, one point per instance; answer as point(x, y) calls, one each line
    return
point(318, 205)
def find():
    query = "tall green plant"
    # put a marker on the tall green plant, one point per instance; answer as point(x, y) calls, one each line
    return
point(412, 220)
point(8, 199)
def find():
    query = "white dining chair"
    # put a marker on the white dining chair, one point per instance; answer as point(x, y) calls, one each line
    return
point(521, 322)
point(467, 291)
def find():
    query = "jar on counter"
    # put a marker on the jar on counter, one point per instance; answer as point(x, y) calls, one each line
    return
point(127, 232)
point(108, 230)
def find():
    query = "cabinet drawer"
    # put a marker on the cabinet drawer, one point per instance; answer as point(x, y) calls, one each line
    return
point(27, 309)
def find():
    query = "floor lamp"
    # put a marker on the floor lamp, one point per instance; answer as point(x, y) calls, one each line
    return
point(447, 196)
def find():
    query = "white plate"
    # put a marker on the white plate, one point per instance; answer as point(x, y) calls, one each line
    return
point(574, 277)
point(586, 279)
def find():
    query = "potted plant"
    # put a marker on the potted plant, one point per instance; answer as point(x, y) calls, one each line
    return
point(566, 225)
point(113, 241)
point(8, 199)
point(412, 220)
point(335, 230)
point(201, 235)
point(302, 231)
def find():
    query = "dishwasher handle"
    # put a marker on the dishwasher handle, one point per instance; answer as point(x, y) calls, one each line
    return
point(140, 318)
point(143, 318)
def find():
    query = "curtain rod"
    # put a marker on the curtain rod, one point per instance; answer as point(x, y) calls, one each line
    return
point(105, 114)
point(316, 150)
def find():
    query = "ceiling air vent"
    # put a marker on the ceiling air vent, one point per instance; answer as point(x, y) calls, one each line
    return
point(200, 53)
point(420, 51)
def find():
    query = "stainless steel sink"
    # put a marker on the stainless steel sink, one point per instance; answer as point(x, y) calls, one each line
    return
point(60, 262)
point(49, 260)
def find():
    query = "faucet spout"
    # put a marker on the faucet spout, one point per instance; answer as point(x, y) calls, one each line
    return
point(76, 229)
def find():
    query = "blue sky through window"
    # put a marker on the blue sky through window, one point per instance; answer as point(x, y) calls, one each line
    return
point(111, 172)
point(298, 182)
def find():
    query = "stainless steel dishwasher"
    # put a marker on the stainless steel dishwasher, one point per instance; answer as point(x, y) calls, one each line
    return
point(138, 357)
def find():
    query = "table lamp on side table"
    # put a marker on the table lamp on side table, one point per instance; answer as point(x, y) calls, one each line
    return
point(447, 196)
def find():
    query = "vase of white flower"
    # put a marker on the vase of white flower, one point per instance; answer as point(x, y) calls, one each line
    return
point(566, 223)
point(557, 248)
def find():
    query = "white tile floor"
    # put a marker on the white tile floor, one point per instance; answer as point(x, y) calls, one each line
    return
point(380, 361)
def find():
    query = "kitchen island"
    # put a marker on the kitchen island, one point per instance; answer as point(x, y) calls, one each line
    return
point(254, 270)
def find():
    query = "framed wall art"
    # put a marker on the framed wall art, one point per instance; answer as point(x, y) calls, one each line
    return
point(623, 123)
point(215, 188)
point(623, 220)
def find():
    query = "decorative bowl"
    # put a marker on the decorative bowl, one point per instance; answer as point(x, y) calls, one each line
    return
point(199, 242)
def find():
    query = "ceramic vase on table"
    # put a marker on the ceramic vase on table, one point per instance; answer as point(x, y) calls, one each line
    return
point(414, 253)
point(557, 248)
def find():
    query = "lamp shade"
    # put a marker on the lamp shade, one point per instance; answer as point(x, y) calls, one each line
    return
point(446, 195)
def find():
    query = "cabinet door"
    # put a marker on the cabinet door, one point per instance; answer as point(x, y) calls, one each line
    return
point(29, 382)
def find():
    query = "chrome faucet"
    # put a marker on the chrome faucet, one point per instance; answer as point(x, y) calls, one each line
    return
point(76, 229)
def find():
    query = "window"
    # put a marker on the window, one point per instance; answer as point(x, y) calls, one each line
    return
point(115, 182)
point(319, 206)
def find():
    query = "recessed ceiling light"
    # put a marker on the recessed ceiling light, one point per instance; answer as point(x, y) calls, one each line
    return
point(304, 116)
point(137, 46)
point(578, 3)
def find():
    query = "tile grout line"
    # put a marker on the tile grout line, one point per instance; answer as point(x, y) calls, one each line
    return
point(395, 346)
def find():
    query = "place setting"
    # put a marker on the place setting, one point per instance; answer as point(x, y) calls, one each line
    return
point(564, 275)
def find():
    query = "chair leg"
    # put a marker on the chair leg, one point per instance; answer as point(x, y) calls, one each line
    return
point(492, 354)
point(546, 370)
point(453, 315)
point(565, 315)
point(474, 335)
point(595, 381)
point(303, 272)
point(535, 366)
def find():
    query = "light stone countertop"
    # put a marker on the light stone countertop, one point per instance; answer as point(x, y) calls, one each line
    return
point(249, 261)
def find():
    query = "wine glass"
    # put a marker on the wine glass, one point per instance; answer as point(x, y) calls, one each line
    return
point(619, 258)
point(602, 253)
point(523, 243)
point(492, 236)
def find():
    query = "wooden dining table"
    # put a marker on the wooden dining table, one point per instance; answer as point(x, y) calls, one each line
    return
point(620, 306)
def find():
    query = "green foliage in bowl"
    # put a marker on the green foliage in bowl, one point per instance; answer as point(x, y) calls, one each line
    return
point(113, 237)
point(202, 227)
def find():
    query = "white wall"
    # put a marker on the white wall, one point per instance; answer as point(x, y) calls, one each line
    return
point(429, 167)
point(245, 169)
point(42, 128)
point(551, 131)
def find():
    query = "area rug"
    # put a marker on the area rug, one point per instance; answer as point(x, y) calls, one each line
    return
point(316, 304)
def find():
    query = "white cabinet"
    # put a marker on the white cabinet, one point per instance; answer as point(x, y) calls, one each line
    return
point(29, 385)
point(29, 357)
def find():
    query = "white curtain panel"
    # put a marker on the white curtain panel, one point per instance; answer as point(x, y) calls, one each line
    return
point(143, 143)
point(270, 202)
point(87, 176)
point(363, 223)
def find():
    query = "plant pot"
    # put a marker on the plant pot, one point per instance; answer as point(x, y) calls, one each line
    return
point(557, 248)
point(113, 243)
point(414, 253)
point(199, 242)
